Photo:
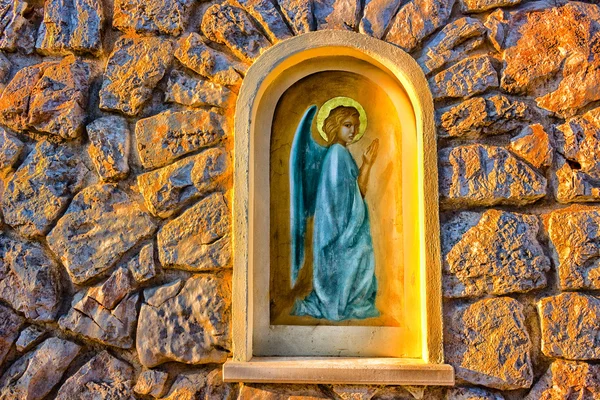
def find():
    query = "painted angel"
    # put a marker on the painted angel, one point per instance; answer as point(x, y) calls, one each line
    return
point(327, 184)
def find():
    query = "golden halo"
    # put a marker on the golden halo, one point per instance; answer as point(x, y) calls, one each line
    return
point(341, 101)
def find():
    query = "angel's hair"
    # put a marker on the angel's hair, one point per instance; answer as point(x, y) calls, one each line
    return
point(334, 121)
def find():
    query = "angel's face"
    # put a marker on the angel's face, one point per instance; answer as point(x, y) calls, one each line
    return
point(348, 129)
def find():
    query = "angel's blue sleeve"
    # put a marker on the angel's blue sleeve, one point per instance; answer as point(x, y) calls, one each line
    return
point(305, 167)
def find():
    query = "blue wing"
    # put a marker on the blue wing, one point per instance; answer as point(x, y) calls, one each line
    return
point(305, 167)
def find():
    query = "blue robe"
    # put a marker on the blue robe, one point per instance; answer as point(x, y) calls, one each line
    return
point(344, 284)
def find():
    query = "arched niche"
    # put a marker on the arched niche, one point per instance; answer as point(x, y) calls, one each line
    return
point(268, 348)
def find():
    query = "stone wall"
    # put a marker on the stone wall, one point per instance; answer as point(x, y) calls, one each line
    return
point(115, 157)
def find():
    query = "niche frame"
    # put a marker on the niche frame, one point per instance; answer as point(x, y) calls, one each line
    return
point(252, 194)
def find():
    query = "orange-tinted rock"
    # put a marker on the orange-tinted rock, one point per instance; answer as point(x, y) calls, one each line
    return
point(556, 60)
point(578, 144)
point(469, 77)
point(169, 189)
point(567, 379)
point(151, 382)
point(483, 116)
point(151, 16)
point(377, 16)
point(71, 26)
point(298, 14)
point(574, 234)
point(268, 17)
point(533, 145)
point(476, 6)
point(416, 20)
point(142, 266)
point(109, 147)
point(10, 149)
point(17, 26)
point(487, 343)
point(471, 393)
point(10, 323)
point(171, 134)
point(569, 326)
point(189, 91)
point(336, 14)
point(132, 71)
point(471, 265)
point(481, 175)
point(274, 392)
point(230, 25)
point(194, 53)
point(452, 43)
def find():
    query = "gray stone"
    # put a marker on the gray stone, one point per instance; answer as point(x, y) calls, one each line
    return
point(377, 16)
point(218, 67)
point(191, 327)
point(416, 20)
point(142, 266)
point(188, 385)
point(152, 383)
point(30, 281)
point(10, 149)
point(336, 14)
point(156, 296)
point(483, 116)
point(476, 6)
point(469, 77)
point(109, 147)
point(71, 26)
point(472, 393)
point(10, 323)
point(114, 289)
point(487, 344)
point(577, 143)
point(29, 337)
point(574, 233)
point(567, 379)
point(268, 17)
point(103, 377)
point(34, 375)
point(497, 24)
point(169, 135)
point(534, 145)
point(17, 30)
point(193, 92)
point(169, 189)
point(5, 67)
point(281, 392)
point(199, 239)
point(216, 389)
point(230, 25)
point(299, 15)
point(90, 319)
point(151, 16)
point(556, 61)
point(452, 43)
point(481, 175)
point(132, 71)
point(100, 225)
point(569, 326)
point(499, 255)
point(356, 392)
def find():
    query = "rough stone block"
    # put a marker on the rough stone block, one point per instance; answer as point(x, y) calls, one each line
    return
point(152, 383)
point(483, 116)
point(132, 71)
point(416, 20)
point(103, 377)
point(188, 91)
point(452, 43)
point(151, 16)
point(142, 266)
point(114, 289)
point(163, 138)
point(100, 225)
point(488, 344)
point(477, 6)
point(298, 14)
point(10, 323)
point(169, 189)
point(574, 233)
point(199, 239)
point(567, 379)
point(469, 77)
point(10, 149)
point(377, 16)
point(29, 337)
point(498, 255)
point(41, 188)
point(268, 17)
point(109, 147)
point(34, 375)
point(481, 175)
point(230, 25)
point(336, 14)
point(534, 145)
point(218, 67)
point(71, 26)
point(569, 325)
point(191, 326)
point(17, 26)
